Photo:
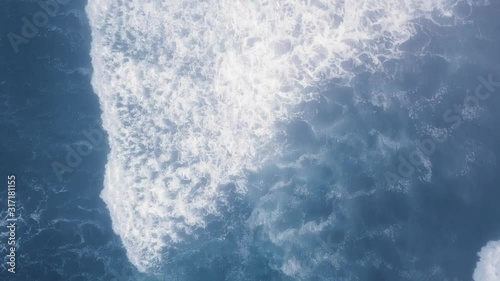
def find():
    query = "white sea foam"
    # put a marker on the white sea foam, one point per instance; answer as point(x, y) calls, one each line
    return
point(191, 92)
point(488, 267)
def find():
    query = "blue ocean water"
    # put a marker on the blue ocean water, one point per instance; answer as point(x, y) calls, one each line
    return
point(227, 180)
point(64, 228)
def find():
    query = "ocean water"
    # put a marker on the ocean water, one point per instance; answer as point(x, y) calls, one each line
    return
point(254, 140)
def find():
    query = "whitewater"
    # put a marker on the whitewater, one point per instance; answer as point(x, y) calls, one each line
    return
point(192, 93)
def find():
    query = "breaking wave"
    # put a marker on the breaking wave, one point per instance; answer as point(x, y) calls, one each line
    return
point(192, 92)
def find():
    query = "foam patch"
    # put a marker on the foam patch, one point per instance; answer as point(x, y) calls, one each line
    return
point(191, 92)
point(488, 267)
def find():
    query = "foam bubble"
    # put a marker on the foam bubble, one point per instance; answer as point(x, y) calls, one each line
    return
point(191, 92)
point(488, 267)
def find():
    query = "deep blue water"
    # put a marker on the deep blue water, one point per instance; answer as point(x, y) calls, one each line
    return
point(417, 229)
point(65, 231)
